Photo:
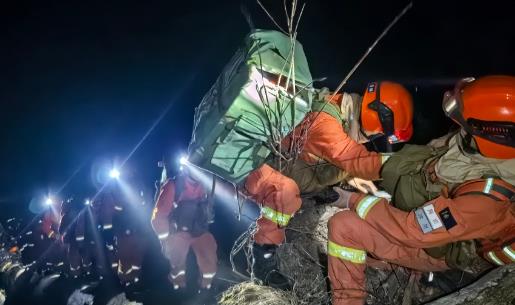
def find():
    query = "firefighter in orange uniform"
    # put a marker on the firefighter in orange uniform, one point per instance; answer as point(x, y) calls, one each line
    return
point(332, 134)
point(479, 210)
point(180, 220)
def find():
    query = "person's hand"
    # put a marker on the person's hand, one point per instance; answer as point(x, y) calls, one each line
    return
point(343, 198)
point(362, 185)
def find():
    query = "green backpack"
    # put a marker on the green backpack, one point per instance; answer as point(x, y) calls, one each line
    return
point(245, 113)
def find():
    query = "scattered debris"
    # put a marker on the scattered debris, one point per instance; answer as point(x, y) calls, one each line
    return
point(121, 299)
point(2, 296)
point(80, 298)
point(249, 293)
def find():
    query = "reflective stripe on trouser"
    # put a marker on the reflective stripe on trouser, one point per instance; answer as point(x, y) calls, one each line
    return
point(501, 256)
point(280, 198)
point(350, 238)
point(275, 216)
point(131, 250)
point(365, 205)
point(204, 247)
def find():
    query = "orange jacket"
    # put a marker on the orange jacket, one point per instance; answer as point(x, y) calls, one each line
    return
point(326, 139)
point(165, 203)
point(475, 216)
point(49, 224)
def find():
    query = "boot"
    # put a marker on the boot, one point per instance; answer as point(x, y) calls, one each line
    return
point(205, 296)
point(266, 267)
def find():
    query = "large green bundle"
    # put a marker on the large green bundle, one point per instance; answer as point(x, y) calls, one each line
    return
point(245, 114)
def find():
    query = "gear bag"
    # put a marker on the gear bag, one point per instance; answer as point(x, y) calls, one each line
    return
point(191, 216)
point(262, 94)
point(405, 176)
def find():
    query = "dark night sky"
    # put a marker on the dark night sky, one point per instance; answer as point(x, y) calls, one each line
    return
point(82, 80)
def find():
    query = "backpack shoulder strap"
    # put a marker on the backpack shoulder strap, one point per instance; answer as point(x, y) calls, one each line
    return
point(179, 182)
point(493, 188)
point(327, 107)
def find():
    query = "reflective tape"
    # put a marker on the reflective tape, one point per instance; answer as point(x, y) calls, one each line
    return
point(20, 272)
point(79, 238)
point(5, 266)
point(494, 258)
point(208, 275)
point(163, 236)
point(509, 252)
point(174, 276)
point(384, 158)
point(355, 256)
point(60, 264)
point(118, 208)
point(107, 226)
point(488, 185)
point(110, 247)
point(114, 265)
point(365, 205)
point(134, 267)
point(275, 216)
point(28, 233)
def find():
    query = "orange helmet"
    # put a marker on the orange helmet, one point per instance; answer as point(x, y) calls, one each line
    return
point(485, 108)
point(387, 108)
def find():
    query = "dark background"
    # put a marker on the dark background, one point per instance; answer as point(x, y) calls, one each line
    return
point(83, 80)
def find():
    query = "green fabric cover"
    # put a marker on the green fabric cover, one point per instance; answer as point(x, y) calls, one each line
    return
point(237, 119)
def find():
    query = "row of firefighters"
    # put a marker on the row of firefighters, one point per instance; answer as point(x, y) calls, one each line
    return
point(89, 240)
point(442, 205)
point(109, 234)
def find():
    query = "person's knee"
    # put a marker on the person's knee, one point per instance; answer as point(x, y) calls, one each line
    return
point(343, 223)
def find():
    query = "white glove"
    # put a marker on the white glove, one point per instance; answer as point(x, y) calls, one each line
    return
point(362, 185)
point(383, 194)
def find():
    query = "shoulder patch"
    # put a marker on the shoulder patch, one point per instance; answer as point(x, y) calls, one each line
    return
point(447, 218)
point(427, 218)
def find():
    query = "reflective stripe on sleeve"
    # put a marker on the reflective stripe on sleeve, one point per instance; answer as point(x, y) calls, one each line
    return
point(355, 256)
point(275, 216)
point(365, 205)
point(107, 226)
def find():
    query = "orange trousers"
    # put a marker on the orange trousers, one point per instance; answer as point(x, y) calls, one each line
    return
point(373, 227)
point(280, 199)
point(177, 246)
point(129, 257)
point(347, 278)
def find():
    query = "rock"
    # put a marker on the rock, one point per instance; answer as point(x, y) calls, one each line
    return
point(495, 288)
point(80, 298)
point(2, 297)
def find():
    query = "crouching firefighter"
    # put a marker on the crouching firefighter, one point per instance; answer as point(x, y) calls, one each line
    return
point(331, 153)
point(181, 219)
point(472, 210)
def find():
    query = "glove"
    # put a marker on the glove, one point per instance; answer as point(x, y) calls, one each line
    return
point(362, 185)
point(343, 198)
